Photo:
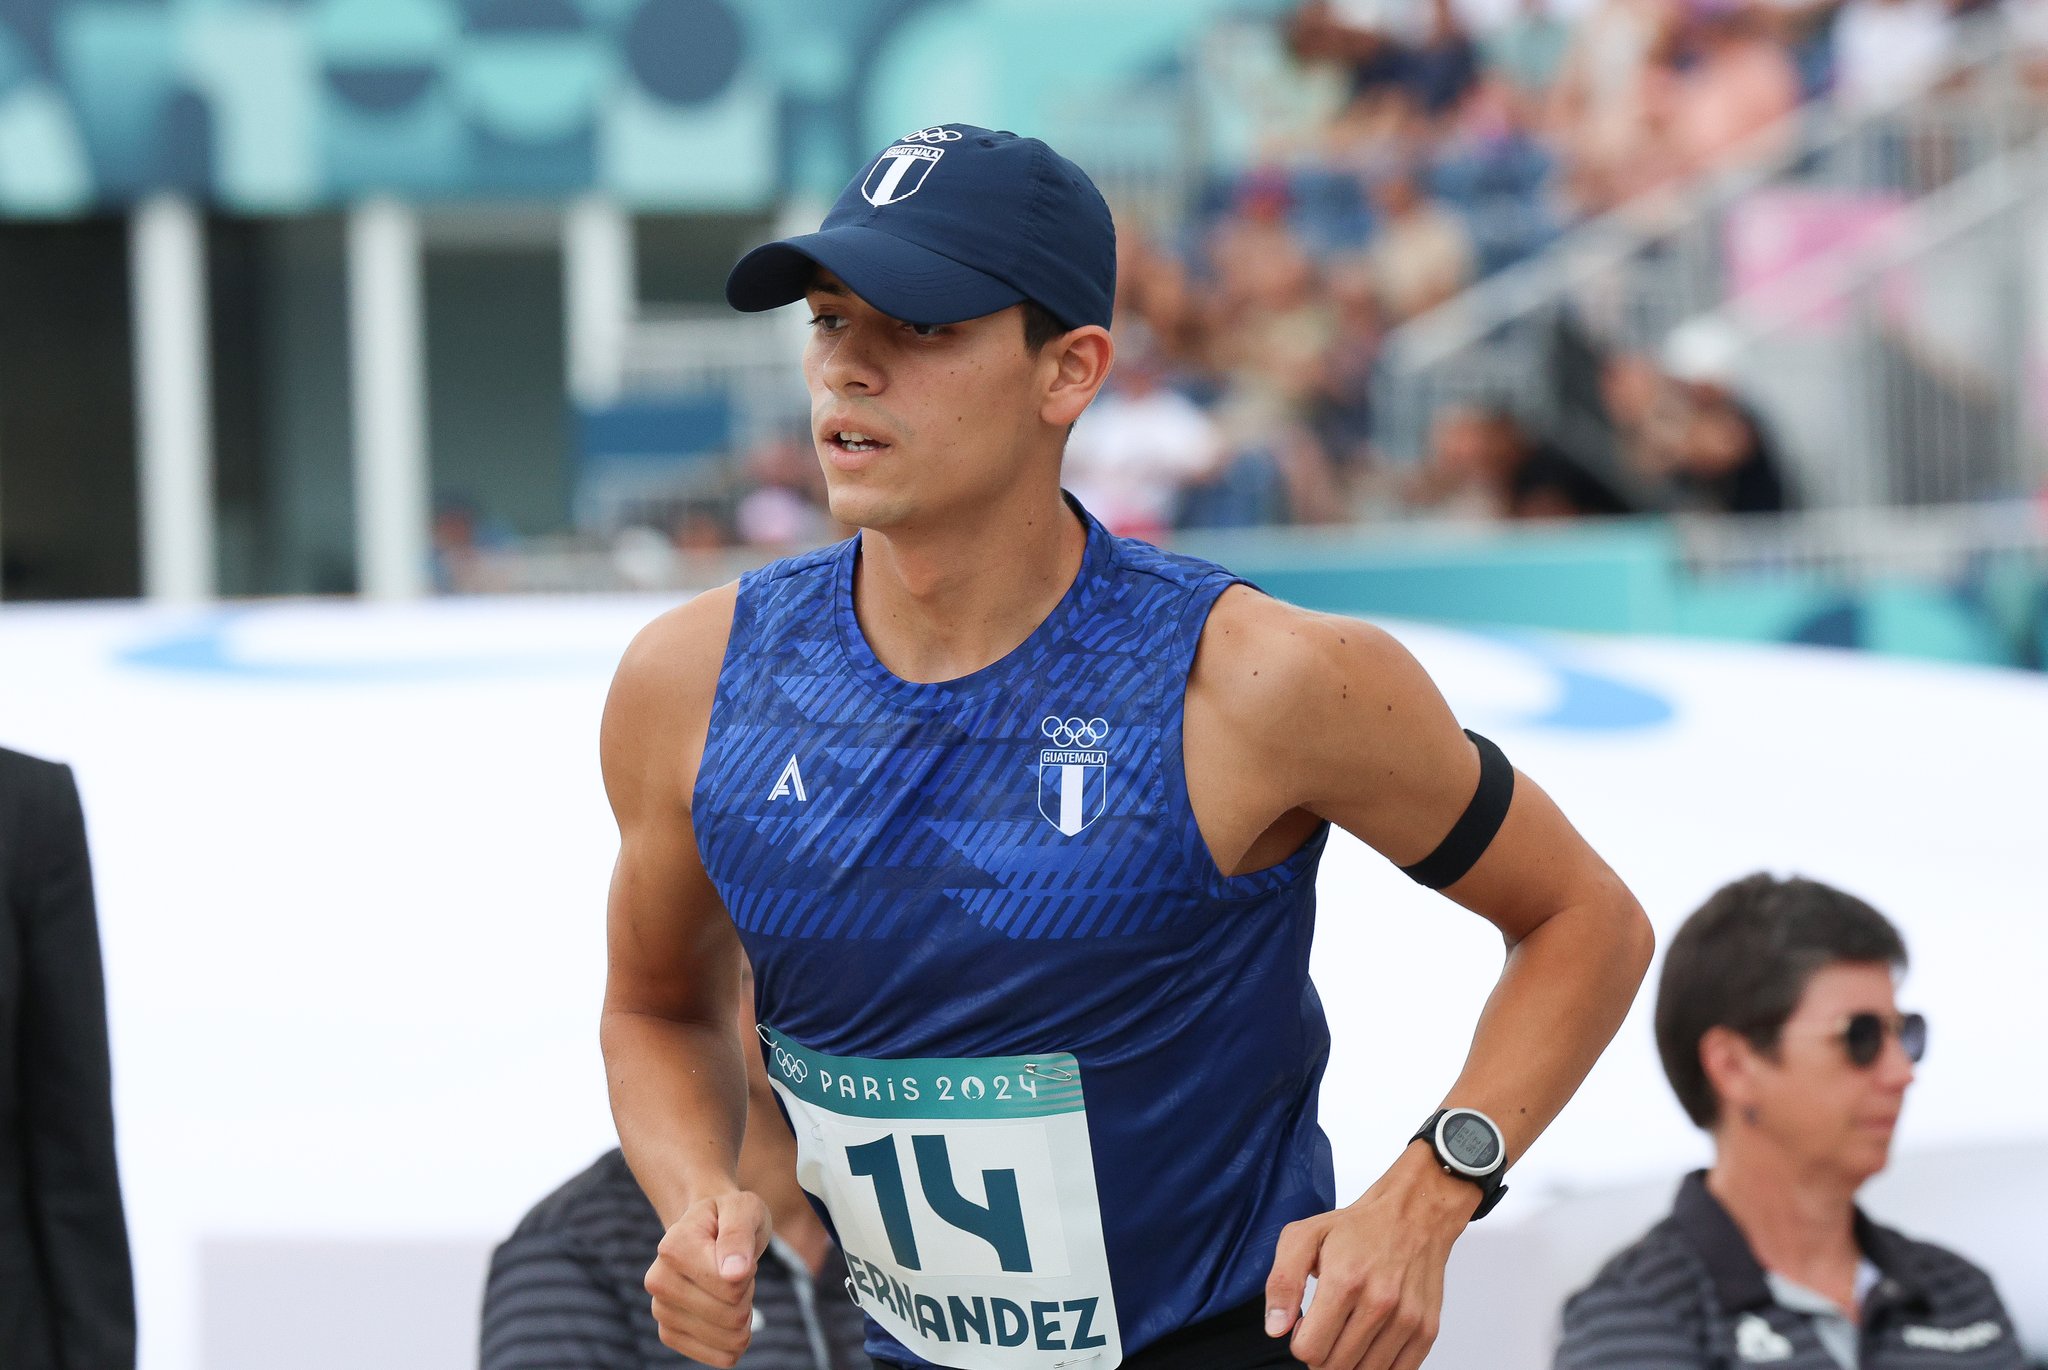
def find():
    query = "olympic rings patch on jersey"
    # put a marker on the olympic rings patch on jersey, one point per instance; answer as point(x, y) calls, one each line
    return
point(1073, 773)
point(1074, 732)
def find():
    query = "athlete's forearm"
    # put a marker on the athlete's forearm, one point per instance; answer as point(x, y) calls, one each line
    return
point(1379, 1262)
point(1562, 995)
point(679, 1099)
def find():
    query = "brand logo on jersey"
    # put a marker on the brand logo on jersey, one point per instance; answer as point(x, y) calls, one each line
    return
point(899, 173)
point(790, 782)
point(1073, 773)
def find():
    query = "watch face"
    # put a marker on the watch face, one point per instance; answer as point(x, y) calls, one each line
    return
point(1471, 1141)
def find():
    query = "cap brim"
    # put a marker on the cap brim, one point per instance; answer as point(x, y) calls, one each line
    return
point(903, 280)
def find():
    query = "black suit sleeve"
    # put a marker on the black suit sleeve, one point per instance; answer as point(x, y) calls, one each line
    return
point(74, 1192)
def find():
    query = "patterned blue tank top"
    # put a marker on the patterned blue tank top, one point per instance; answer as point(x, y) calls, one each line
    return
point(1052, 1074)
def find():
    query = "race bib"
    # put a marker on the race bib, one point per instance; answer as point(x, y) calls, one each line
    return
point(963, 1190)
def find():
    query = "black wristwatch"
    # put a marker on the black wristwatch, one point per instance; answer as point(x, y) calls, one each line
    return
point(1469, 1145)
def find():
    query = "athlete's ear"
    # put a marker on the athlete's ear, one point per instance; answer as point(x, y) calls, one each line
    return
point(1080, 362)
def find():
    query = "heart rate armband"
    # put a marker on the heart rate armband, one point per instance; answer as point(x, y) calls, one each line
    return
point(1474, 831)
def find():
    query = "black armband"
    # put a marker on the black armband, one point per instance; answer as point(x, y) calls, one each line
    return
point(1473, 833)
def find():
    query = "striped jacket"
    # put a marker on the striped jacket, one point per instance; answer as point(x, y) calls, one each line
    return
point(565, 1291)
point(1691, 1296)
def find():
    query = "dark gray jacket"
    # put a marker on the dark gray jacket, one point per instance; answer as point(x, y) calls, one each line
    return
point(67, 1296)
point(565, 1291)
point(1691, 1296)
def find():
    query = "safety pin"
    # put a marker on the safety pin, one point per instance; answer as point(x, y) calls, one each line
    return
point(1050, 1073)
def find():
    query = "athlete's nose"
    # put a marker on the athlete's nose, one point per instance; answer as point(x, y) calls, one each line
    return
point(847, 363)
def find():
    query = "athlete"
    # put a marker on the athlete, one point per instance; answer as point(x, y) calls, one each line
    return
point(1018, 823)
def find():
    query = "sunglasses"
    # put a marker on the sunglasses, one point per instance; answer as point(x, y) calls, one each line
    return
point(1863, 1036)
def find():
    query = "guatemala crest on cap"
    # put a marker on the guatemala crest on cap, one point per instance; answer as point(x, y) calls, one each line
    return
point(1073, 773)
point(899, 172)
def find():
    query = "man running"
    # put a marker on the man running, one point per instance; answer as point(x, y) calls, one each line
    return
point(1018, 823)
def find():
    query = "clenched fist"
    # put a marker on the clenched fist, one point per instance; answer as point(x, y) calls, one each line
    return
point(1379, 1268)
point(702, 1278)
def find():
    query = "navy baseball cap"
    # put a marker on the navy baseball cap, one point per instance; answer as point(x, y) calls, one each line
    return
point(950, 223)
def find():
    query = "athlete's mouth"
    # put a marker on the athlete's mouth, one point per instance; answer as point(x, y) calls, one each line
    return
point(854, 440)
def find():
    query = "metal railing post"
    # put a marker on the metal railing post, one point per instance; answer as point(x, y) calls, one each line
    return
point(388, 400)
point(173, 399)
point(599, 293)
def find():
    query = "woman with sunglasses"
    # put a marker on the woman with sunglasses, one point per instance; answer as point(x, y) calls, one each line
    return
point(1779, 1030)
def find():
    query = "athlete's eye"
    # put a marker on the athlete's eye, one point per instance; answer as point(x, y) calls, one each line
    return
point(926, 330)
point(827, 323)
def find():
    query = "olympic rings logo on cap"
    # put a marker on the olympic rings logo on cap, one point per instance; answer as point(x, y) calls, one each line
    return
point(934, 134)
point(790, 1065)
point(1074, 732)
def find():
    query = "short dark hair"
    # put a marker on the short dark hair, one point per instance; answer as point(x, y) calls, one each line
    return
point(1040, 327)
point(1742, 961)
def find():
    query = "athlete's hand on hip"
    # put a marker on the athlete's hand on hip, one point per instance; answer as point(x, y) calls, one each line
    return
point(1379, 1268)
point(702, 1278)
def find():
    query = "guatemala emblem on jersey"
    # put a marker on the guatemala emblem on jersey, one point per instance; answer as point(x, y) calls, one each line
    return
point(1073, 773)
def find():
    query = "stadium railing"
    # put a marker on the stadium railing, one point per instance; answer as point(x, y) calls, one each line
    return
point(1848, 547)
point(1904, 369)
point(1632, 276)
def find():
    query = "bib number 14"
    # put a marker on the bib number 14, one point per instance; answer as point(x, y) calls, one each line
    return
point(1000, 1222)
point(963, 1192)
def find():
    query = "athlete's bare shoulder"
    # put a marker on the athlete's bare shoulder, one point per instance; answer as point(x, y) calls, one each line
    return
point(682, 648)
point(659, 708)
point(1331, 715)
point(1275, 666)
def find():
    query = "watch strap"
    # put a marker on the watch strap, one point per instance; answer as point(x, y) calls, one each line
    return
point(1491, 1190)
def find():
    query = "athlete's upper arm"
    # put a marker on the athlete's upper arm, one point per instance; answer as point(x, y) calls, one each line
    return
point(1357, 733)
point(1351, 726)
point(672, 948)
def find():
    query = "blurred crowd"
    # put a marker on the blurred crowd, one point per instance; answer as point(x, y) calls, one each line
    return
point(1517, 115)
point(771, 500)
point(1462, 137)
point(1666, 435)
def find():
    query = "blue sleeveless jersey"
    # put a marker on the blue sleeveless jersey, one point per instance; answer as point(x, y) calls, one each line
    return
point(1052, 1074)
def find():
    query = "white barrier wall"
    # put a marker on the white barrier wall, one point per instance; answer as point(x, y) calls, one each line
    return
point(352, 863)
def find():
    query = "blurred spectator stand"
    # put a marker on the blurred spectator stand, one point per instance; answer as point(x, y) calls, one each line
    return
point(647, 451)
point(1138, 447)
